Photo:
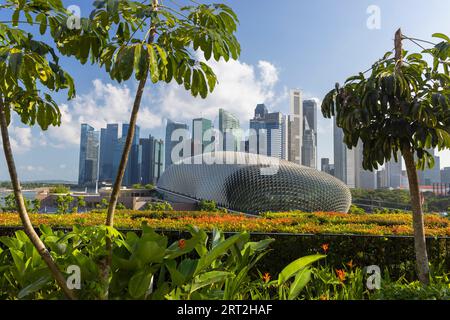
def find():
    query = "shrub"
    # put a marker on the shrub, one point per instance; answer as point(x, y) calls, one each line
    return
point(354, 209)
point(206, 205)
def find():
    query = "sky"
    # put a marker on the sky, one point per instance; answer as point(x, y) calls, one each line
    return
point(286, 44)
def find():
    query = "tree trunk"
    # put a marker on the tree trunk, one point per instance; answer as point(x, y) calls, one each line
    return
point(418, 221)
point(28, 227)
point(126, 152)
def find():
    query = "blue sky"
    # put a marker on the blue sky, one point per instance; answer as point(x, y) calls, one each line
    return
point(285, 44)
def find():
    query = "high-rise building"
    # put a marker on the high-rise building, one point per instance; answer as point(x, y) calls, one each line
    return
point(348, 163)
point(326, 167)
point(309, 133)
point(382, 179)
point(201, 135)
point(133, 169)
point(152, 165)
point(89, 152)
point(268, 130)
point(445, 175)
point(394, 173)
point(295, 127)
point(309, 146)
point(340, 153)
point(428, 177)
point(171, 127)
point(230, 127)
point(108, 139)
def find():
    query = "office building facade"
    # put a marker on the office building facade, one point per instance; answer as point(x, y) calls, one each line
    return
point(230, 128)
point(295, 127)
point(89, 156)
point(108, 140)
point(171, 140)
point(152, 160)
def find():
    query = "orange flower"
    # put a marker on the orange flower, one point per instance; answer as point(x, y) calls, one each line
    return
point(182, 244)
point(340, 274)
point(350, 264)
point(266, 277)
point(325, 247)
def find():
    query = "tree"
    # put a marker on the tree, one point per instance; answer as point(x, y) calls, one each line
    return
point(81, 203)
point(153, 41)
point(403, 106)
point(206, 205)
point(30, 73)
point(63, 203)
point(121, 206)
point(36, 205)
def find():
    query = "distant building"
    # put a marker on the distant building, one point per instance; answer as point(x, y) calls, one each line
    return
point(229, 126)
point(295, 127)
point(340, 153)
point(133, 168)
point(309, 146)
point(326, 167)
point(201, 135)
point(108, 140)
point(171, 127)
point(382, 182)
point(428, 177)
point(89, 154)
point(348, 163)
point(268, 132)
point(445, 175)
point(152, 165)
point(394, 173)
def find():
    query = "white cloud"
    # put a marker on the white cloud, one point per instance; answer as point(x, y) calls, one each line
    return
point(241, 86)
point(31, 168)
point(106, 103)
point(20, 138)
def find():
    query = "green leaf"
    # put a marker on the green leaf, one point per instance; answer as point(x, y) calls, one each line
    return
point(301, 280)
point(441, 36)
point(139, 284)
point(219, 250)
point(153, 63)
point(209, 278)
point(291, 269)
point(35, 286)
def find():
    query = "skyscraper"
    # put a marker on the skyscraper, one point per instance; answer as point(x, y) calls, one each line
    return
point(309, 151)
point(133, 169)
point(171, 127)
point(309, 146)
point(229, 126)
point(340, 153)
point(152, 160)
point(89, 152)
point(270, 133)
point(394, 173)
point(348, 163)
point(295, 127)
point(430, 176)
point(201, 135)
point(445, 175)
point(108, 139)
point(326, 167)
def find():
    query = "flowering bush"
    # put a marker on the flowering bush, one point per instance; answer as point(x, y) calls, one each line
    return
point(288, 222)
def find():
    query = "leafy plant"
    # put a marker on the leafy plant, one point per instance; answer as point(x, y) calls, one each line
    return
point(401, 108)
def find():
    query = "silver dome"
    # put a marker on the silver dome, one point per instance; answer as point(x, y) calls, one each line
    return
point(254, 183)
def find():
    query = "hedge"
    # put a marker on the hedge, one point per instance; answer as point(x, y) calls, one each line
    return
point(298, 234)
point(290, 222)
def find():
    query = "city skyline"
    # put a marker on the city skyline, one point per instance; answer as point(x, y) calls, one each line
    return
point(262, 74)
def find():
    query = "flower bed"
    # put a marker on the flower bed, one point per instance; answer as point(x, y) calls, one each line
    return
point(290, 222)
